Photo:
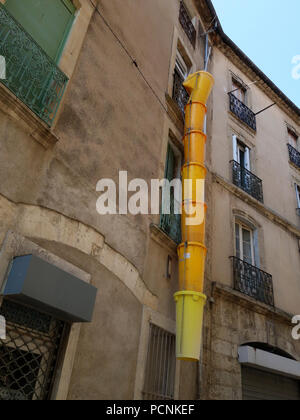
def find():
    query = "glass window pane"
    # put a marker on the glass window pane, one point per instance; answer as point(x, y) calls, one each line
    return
point(247, 248)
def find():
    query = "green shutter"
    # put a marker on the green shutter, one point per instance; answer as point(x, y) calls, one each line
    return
point(47, 21)
point(170, 164)
point(171, 223)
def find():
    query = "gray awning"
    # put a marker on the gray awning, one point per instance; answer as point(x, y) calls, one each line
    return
point(33, 281)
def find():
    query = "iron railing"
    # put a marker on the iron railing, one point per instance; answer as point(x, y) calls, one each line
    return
point(170, 222)
point(247, 181)
point(29, 354)
point(241, 110)
point(180, 95)
point(294, 155)
point(187, 24)
point(161, 363)
point(30, 73)
point(171, 225)
point(252, 281)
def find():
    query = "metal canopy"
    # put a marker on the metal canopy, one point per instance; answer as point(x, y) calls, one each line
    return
point(32, 281)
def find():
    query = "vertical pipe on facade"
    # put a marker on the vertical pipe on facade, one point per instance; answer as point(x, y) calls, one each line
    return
point(190, 300)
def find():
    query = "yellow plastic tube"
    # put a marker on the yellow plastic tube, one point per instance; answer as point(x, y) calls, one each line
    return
point(191, 266)
point(193, 232)
point(190, 300)
point(192, 175)
point(189, 320)
point(194, 147)
point(194, 116)
point(199, 86)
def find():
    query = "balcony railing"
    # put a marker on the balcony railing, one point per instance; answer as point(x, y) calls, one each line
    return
point(244, 113)
point(180, 95)
point(30, 73)
point(253, 282)
point(247, 181)
point(171, 223)
point(294, 155)
point(187, 24)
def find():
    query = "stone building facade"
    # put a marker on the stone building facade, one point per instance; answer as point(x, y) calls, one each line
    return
point(112, 101)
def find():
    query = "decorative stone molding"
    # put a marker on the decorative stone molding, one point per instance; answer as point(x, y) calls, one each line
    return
point(163, 239)
point(33, 125)
point(36, 222)
point(250, 303)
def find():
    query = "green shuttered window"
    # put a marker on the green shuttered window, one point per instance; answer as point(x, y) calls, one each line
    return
point(47, 21)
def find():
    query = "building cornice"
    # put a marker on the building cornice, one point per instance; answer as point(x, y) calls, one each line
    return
point(250, 303)
point(242, 61)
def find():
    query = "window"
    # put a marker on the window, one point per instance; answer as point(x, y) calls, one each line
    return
point(297, 188)
point(171, 223)
point(28, 356)
point(181, 66)
point(48, 22)
point(160, 366)
point(244, 247)
point(187, 23)
point(241, 153)
point(182, 70)
point(239, 91)
point(293, 139)
point(32, 37)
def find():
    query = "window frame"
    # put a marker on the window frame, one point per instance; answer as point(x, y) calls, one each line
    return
point(293, 138)
point(297, 190)
point(242, 226)
point(238, 86)
point(159, 371)
point(237, 146)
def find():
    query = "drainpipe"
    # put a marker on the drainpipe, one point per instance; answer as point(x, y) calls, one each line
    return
point(190, 300)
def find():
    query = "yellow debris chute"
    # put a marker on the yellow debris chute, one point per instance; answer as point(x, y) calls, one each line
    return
point(190, 300)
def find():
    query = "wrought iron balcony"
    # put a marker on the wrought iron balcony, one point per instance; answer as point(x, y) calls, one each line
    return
point(187, 24)
point(30, 73)
point(241, 110)
point(252, 281)
point(180, 95)
point(171, 225)
point(294, 155)
point(247, 181)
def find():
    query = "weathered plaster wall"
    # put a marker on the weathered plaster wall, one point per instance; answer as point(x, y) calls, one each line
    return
point(278, 247)
point(109, 120)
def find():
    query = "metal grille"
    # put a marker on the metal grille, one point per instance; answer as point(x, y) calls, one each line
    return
point(252, 281)
point(241, 110)
point(30, 73)
point(247, 181)
point(294, 155)
point(161, 365)
point(187, 24)
point(180, 95)
point(29, 354)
